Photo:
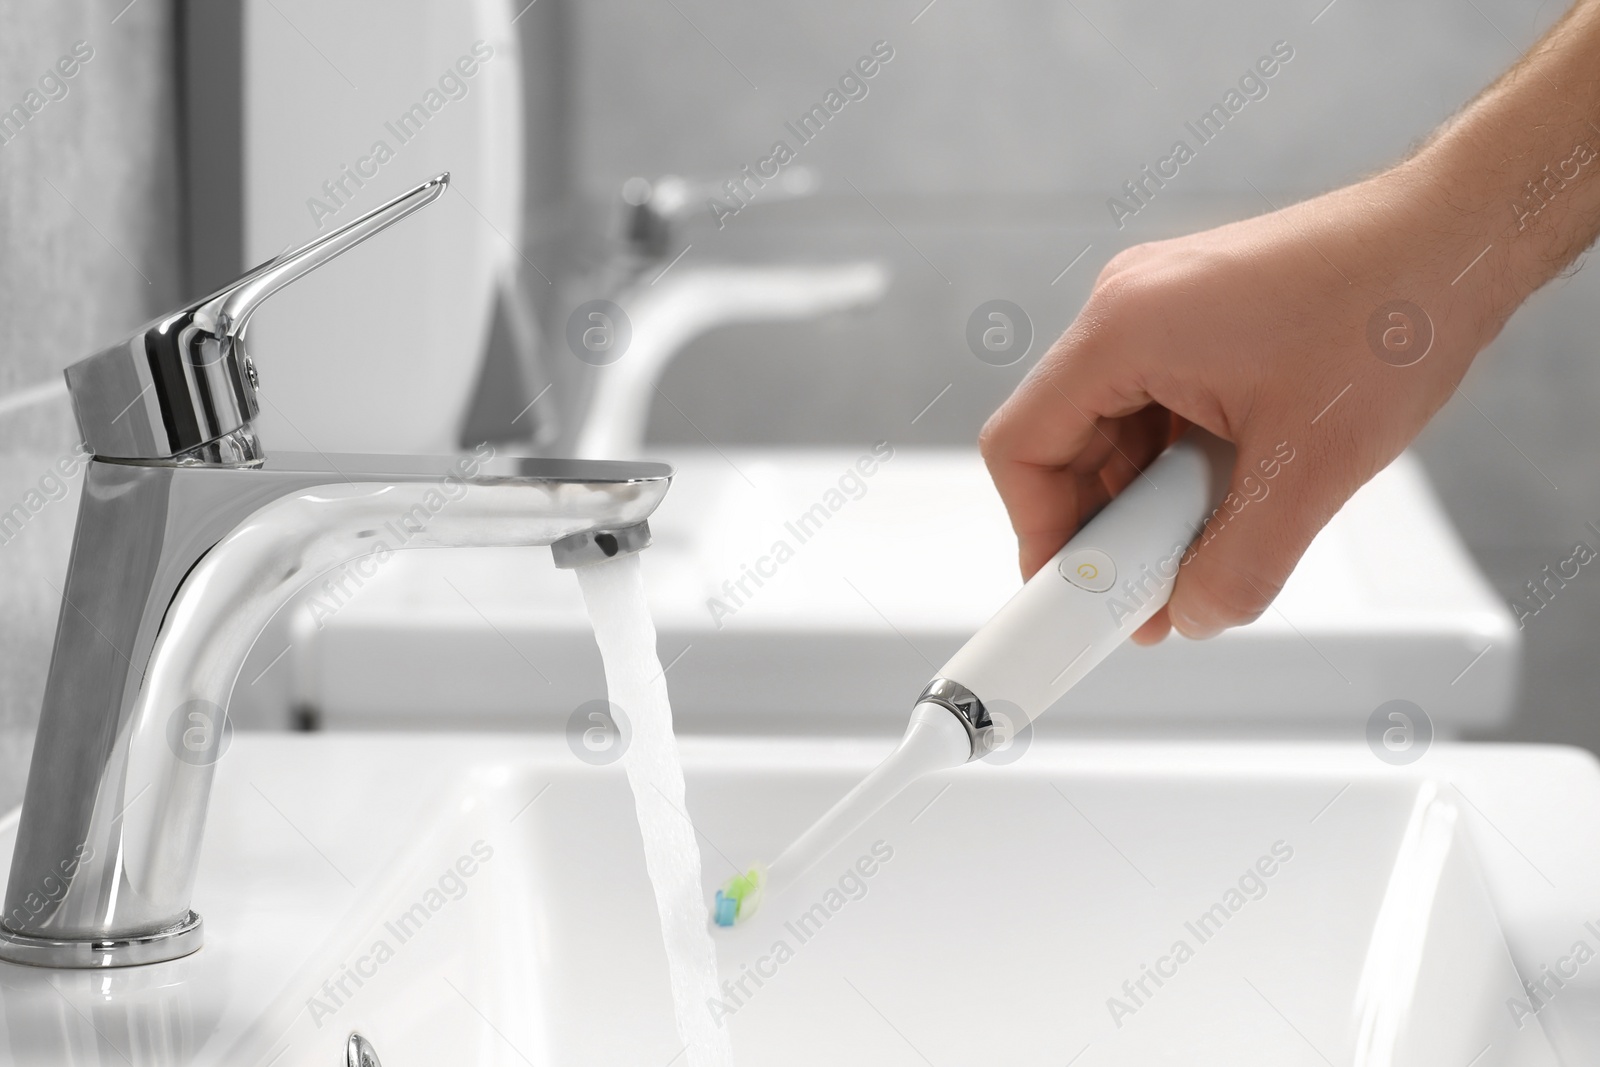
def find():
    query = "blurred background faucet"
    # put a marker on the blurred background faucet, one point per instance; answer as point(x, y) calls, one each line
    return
point(668, 296)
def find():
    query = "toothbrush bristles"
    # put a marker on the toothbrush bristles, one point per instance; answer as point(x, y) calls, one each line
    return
point(739, 898)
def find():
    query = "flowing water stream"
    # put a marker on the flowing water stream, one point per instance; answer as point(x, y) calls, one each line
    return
point(635, 683)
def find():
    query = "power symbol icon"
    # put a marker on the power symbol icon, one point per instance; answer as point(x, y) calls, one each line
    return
point(1089, 569)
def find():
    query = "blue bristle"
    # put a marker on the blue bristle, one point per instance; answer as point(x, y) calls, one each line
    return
point(725, 909)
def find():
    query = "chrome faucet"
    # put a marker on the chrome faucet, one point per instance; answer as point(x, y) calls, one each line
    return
point(189, 538)
point(667, 306)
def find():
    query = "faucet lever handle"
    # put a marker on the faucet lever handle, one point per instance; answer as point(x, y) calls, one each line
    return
point(184, 381)
point(228, 311)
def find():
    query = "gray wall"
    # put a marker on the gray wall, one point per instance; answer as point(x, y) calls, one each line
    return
point(991, 143)
point(88, 224)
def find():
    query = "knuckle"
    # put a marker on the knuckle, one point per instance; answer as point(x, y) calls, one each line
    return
point(989, 438)
point(1005, 433)
point(1123, 262)
point(1232, 597)
point(1122, 302)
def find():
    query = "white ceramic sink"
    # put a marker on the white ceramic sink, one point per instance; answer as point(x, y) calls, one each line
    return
point(1016, 901)
point(1386, 604)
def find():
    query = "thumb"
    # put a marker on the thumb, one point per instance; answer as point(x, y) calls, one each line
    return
point(1276, 503)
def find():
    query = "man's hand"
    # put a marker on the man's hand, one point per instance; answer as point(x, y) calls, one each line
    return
point(1257, 332)
point(1287, 332)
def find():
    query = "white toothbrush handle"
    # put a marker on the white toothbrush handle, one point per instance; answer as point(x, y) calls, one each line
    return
point(1112, 576)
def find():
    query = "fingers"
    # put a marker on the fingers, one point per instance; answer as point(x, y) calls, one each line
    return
point(1061, 445)
point(1243, 557)
point(1141, 437)
point(1084, 424)
point(1155, 629)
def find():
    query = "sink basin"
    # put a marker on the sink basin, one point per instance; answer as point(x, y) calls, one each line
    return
point(482, 899)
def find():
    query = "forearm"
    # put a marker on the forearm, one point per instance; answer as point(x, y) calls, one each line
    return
point(1517, 172)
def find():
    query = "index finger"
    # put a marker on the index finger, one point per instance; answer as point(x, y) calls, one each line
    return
point(1063, 443)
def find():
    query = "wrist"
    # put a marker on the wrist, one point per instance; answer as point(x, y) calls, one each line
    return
point(1518, 170)
point(1446, 247)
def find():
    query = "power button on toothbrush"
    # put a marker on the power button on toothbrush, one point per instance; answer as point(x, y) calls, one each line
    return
point(1089, 569)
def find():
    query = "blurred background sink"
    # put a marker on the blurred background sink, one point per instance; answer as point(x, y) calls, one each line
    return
point(776, 571)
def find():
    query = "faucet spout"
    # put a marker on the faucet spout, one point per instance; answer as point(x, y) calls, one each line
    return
point(694, 301)
point(175, 570)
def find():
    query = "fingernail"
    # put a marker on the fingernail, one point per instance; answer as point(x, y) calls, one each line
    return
point(1190, 627)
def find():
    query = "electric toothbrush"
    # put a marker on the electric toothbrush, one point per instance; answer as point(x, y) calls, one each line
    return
point(1108, 580)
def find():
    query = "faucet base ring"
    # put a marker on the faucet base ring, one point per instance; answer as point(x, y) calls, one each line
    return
point(177, 940)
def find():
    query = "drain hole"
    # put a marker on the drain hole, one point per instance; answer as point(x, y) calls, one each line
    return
point(606, 543)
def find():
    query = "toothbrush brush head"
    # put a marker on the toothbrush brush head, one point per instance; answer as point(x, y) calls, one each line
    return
point(739, 898)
